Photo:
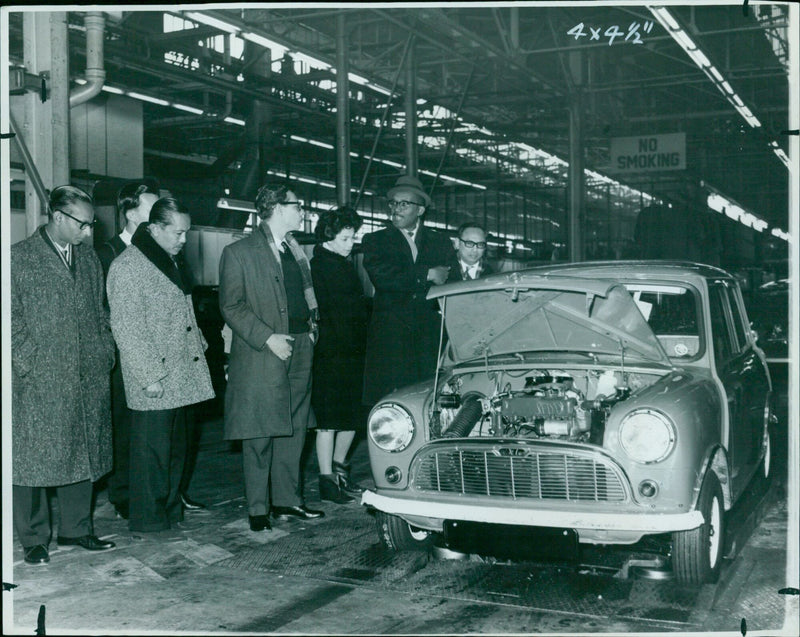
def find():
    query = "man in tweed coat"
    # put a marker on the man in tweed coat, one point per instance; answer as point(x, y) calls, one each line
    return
point(61, 356)
point(163, 365)
point(267, 298)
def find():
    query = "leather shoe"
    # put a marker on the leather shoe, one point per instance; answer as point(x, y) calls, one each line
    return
point(190, 504)
point(89, 542)
point(260, 523)
point(300, 512)
point(37, 554)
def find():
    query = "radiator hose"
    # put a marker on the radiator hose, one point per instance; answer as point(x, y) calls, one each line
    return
point(466, 418)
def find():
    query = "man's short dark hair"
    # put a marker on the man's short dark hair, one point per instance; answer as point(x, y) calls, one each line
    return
point(269, 196)
point(163, 209)
point(63, 196)
point(128, 196)
point(470, 224)
point(332, 222)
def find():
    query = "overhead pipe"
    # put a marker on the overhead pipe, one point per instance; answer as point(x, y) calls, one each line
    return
point(95, 71)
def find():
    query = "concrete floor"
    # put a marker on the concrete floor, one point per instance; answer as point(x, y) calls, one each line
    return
point(330, 576)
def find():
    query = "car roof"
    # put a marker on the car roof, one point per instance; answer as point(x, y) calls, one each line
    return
point(635, 269)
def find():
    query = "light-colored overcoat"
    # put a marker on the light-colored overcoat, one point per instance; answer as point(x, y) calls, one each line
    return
point(157, 335)
point(61, 357)
point(252, 299)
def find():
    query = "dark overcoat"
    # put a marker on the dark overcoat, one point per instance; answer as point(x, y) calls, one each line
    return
point(252, 300)
point(403, 335)
point(156, 331)
point(62, 352)
point(339, 354)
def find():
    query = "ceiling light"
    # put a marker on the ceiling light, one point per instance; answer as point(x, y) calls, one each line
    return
point(147, 98)
point(113, 89)
point(233, 120)
point(212, 22)
point(188, 109)
point(261, 40)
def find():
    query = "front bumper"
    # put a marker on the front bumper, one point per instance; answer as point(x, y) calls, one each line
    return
point(586, 521)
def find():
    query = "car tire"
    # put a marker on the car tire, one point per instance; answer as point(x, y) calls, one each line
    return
point(697, 553)
point(398, 535)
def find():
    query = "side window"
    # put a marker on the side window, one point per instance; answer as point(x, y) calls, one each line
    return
point(739, 325)
point(720, 332)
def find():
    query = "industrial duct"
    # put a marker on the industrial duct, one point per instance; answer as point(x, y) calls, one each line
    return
point(95, 71)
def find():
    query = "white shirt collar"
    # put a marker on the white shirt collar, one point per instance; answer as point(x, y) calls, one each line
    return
point(126, 237)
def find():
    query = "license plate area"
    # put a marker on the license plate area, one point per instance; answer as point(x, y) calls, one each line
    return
point(512, 542)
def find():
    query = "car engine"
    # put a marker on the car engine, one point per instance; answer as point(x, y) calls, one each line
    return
point(551, 404)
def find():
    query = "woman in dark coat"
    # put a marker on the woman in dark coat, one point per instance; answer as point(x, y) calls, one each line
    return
point(339, 355)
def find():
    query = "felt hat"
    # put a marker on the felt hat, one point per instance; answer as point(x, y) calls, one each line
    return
point(407, 183)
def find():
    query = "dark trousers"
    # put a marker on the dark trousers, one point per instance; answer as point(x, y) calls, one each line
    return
point(273, 463)
point(158, 452)
point(121, 425)
point(193, 432)
point(32, 512)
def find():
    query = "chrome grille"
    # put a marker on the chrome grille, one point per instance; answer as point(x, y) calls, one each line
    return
point(518, 472)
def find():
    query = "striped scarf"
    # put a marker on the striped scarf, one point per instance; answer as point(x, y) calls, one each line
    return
point(305, 270)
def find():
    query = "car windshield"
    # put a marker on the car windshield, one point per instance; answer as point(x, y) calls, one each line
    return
point(672, 313)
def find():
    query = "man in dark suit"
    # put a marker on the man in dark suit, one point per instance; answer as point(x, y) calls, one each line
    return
point(470, 255)
point(403, 261)
point(266, 296)
point(134, 201)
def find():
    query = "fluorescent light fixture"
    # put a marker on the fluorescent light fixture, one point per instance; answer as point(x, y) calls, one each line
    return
point(113, 89)
point(236, 204)
point(147, 98)
point(782, 156)
point(777, 232)
point(311, 61)
point(315, 142)
point(212, 22)
point(380, 89)
point(717, 75)
point(727, 87)
point(357, 79)
point(665, 17)
point(261, 40)
point(700, 58)
point(684, 40)
point(233, 120)
point(188, 109)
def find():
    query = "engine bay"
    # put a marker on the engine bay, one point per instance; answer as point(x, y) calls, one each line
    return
point(539, 403)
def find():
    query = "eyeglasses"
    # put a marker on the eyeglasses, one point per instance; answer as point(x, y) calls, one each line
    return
point(299, 205)
point(473, 244)
point(402, 204)
point(81, 223)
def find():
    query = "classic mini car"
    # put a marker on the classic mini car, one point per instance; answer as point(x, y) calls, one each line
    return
point(602, 401)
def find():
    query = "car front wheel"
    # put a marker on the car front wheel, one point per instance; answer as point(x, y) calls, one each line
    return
point(398, 535)
point(697, 553)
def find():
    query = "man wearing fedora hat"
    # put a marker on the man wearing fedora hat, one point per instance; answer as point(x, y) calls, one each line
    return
point(403, 261)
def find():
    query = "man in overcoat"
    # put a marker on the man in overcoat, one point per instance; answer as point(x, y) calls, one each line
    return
point(403, 261)
point(266, 297)
point(62, 352)
point(161, 352)
point(134, 202)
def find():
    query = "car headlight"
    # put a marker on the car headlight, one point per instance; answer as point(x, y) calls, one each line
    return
point(647, 435)
point(391, 427)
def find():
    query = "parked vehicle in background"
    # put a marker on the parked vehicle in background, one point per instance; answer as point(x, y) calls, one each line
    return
point(606, 401)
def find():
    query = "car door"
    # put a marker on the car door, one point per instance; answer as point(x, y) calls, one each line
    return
point(744, 378)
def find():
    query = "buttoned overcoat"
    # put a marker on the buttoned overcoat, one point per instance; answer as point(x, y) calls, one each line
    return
point(62, 352)
point(403, 335)
point(156, 331)
point(252, 300)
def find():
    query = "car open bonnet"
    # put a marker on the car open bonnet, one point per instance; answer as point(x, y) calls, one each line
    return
point(519, 313)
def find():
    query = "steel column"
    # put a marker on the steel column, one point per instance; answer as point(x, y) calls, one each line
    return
point(46, 124)
point(342, 114)
point(411, 110)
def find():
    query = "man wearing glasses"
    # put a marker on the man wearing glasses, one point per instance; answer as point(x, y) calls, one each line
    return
point(62, 352)
point(266, 297)
point(403, 261)
point(470, 261)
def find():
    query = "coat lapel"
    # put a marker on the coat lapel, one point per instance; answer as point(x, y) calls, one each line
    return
point(51, 260)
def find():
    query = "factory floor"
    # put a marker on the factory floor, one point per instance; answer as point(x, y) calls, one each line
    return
point(331, 576)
